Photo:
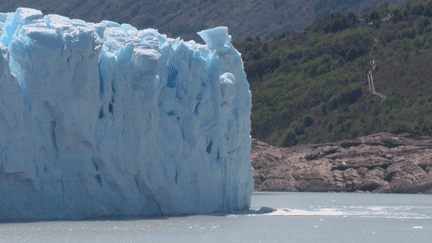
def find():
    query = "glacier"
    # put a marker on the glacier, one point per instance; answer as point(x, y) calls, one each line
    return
point(102, 119)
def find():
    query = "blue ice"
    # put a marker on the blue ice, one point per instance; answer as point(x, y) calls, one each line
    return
point(101, 119)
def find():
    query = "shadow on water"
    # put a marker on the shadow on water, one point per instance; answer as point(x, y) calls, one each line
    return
point(262, 210)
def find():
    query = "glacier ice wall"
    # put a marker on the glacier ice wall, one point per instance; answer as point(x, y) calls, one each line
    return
point(103, 119)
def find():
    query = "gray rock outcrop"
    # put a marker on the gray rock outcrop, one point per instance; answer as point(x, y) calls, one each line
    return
point(383, 162)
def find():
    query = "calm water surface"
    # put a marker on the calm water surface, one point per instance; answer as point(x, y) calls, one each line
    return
point(352, 218)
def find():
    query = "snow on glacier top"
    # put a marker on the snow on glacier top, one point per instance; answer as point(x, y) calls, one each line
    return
point(118, 121)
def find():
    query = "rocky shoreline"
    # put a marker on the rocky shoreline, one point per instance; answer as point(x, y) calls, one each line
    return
point(378, 163)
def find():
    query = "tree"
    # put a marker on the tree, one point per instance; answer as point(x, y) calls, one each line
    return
point(350, 94)
point(397, 16)
point(265, 47)
point(376, 24)
point(405, 14)
point(354, 53)
point(418, 10)
point(288, 138)
point(256, 55)
point(330, 126)
point(327, 28)
point(422, 25)
point(428, 13)
point(408, 7)
point(352, 19)
point(318, 25)
point(387, 4)
point(334, 102)
point(296, 55)
point(374, 15)
point(339, 22)
point(323, 109)
point(308, 121)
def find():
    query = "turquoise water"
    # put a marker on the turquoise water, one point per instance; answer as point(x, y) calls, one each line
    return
point(351, 217)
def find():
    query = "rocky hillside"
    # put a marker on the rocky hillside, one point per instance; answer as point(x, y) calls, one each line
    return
point(185, 18)
point(381, 162)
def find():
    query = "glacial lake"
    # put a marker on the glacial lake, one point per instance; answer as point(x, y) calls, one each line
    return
point(300, 217)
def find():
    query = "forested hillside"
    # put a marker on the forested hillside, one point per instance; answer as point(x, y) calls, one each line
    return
point(184, 18)
point(313, 87)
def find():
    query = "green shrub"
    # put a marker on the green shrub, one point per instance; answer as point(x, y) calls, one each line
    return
point(288, 138)
point(330, 127)
point(312, 69)
point(327, 28)
point(357, 129)
point(256, 55)
point(401, 127)
point(399, 35)
point(412, 34)
point(374, 15)
point(308, 120)
point(352, 19)
point(405, 14)
point(323, 109)
point(294, 124)
point(326, 58)
point(259, 68)
point(428, 13)
point(418, 10)
point(296, 55)
point(417, 43)
point(281, 36)
point(389, 38)
point(421, 100)
point(265, 47)
point(319, 50)
point(376, 24)
point(334, 102)
point(274, 137)
point(423, 125)
point(339, 22)
point(300, 129)
point(345, 126)
point(408, 7)
point(341, 61)
point(422, 25)
point(248, 46)
point(362, 118)
point(397, 16)
point(350, 94)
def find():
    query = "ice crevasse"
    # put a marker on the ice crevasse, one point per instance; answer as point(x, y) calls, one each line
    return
point(102, 119)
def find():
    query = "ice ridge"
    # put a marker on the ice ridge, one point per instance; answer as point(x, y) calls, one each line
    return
point(102, 119)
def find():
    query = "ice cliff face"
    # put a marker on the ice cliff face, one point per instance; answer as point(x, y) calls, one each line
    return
point(104, 119)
